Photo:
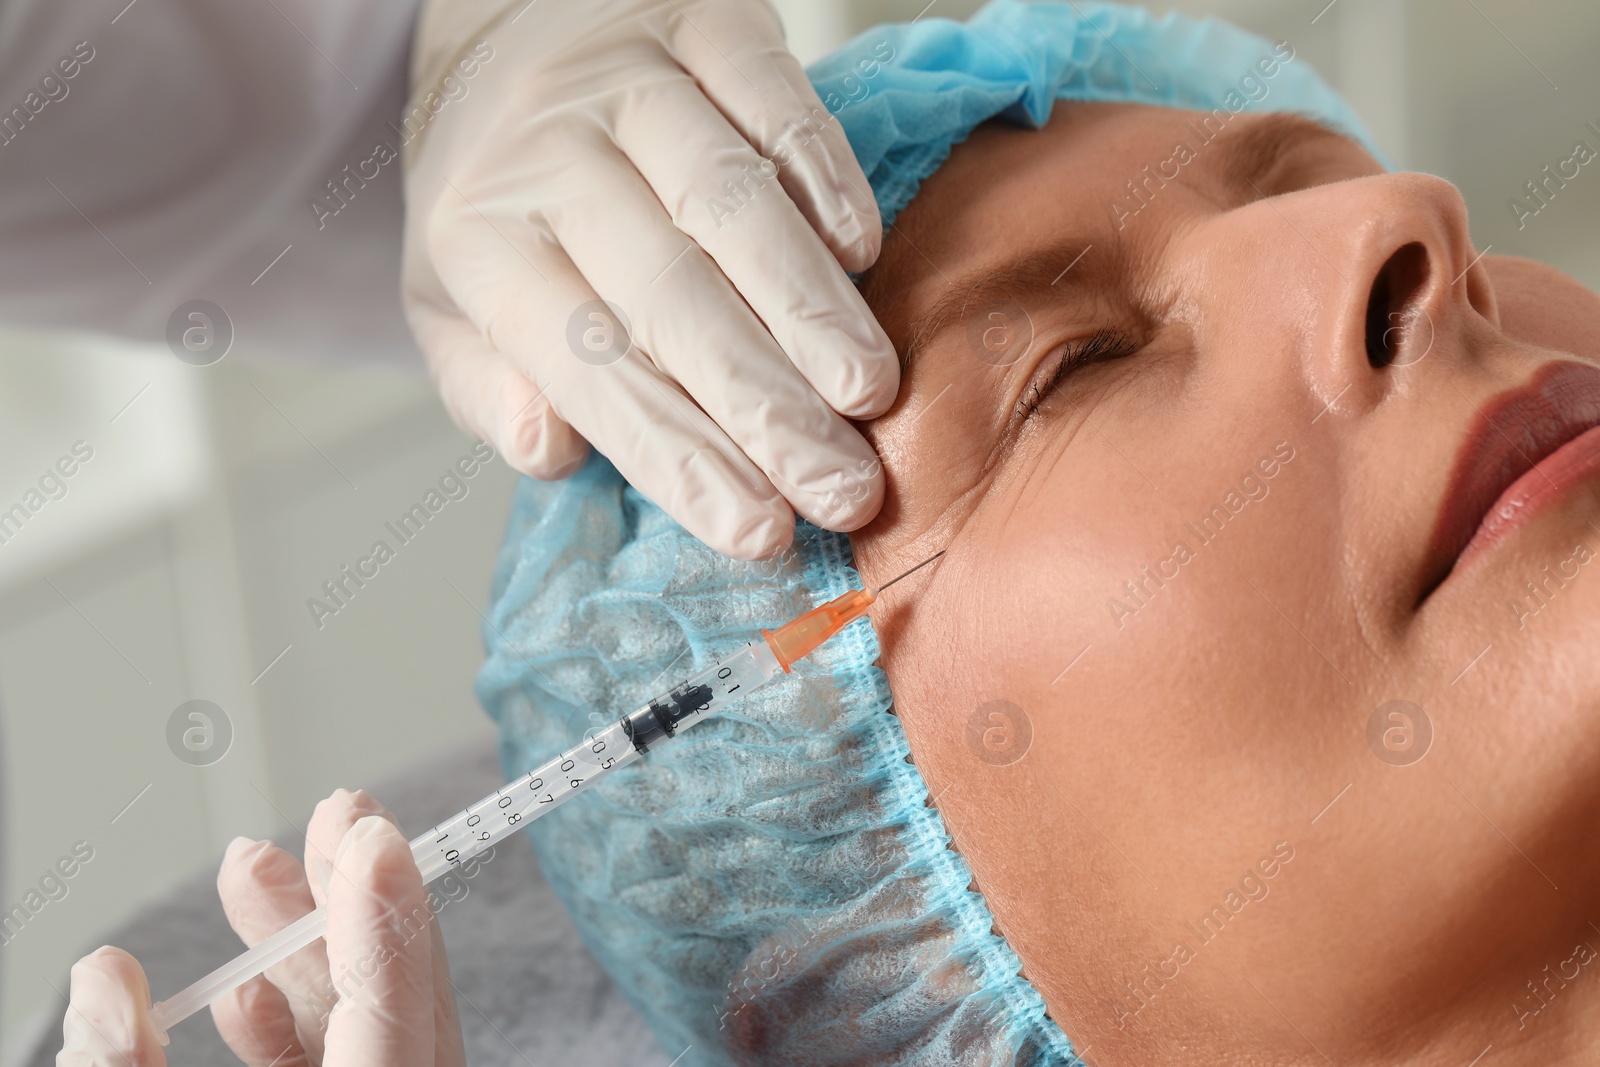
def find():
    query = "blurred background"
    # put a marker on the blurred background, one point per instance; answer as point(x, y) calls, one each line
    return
point(179, 563)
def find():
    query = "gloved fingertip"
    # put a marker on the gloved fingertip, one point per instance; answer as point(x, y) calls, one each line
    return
point(366, 804)
point(848, 520)
point(371, 835)
point(547, 449)
point(570, 468)
point(105, 962)
point(847, 499)
point(111, 1002)
point(763, 538)
point(238, 848)
point(873, 402)
point(343, 807)
point(866, 385)
point(857, 240)
point(858, 231)
point(251, 861)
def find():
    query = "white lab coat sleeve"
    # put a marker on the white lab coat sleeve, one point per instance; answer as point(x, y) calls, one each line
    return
point(244, 152)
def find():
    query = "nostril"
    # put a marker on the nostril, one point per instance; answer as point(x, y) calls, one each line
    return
point(1398, 280)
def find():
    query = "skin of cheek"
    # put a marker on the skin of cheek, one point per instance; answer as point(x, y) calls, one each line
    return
point(1023, 589)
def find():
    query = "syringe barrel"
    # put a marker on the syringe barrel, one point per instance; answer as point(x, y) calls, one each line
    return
point(477, 828)
point(474, 830)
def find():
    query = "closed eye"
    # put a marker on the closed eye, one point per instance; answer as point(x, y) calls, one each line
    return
point(1102, 346)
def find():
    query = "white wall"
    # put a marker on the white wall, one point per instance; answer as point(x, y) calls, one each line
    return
point(178, 566)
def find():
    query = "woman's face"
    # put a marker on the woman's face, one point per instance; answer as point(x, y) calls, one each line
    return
point(1150, 682)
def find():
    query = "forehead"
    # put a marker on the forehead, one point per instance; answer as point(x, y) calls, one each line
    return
point(1004, 171)
point(1008, 192)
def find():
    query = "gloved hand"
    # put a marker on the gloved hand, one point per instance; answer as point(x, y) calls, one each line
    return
point(667, 158)
point(375, 993)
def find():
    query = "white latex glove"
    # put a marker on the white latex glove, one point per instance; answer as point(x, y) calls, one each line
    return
point(375, 993)
point(618, 150)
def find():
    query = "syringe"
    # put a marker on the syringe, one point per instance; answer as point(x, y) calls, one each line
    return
point(511, 807)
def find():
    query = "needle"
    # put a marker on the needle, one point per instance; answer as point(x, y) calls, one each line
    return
point(910, 572)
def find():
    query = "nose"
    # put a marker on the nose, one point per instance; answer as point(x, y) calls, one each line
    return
point(1397, 272)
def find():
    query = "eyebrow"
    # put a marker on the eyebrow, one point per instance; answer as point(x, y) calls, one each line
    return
point(1072, 263)
point(1053, 272)
point(1255, 151)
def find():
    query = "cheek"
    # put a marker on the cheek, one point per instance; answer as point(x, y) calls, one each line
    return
point(1121, 556)
point(1086, 699)
point(1542, 306)
point(1018, 594)
point(1139, 628)
point(1045, 723)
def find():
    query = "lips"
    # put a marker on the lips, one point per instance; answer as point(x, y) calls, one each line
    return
point(1525, 448)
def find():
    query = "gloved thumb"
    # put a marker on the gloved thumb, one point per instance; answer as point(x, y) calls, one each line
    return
point(108, 1017)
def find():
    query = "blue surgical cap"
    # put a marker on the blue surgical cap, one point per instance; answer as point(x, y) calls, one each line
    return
point(773, 886)
point(906, 95)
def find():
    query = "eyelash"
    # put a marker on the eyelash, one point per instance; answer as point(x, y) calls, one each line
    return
point(1099, 347)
